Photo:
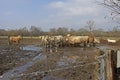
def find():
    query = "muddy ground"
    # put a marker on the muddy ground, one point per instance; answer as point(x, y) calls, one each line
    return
point(30, 61)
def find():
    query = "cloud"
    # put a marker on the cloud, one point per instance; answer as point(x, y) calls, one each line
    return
point(75, 13)
point(58, 4)
point(74, 7)
point(52, 13)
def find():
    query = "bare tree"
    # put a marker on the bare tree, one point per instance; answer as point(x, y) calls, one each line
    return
point(90, 26)
point(52, 31)
point(62, 31)
point(114, 6)
point(35, 31)
point(73, 32)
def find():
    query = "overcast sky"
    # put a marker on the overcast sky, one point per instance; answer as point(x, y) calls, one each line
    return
point(53, 14)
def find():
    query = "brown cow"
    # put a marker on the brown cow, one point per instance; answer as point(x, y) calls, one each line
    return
point(76, 40)
point(14, 39)
point(91, 40)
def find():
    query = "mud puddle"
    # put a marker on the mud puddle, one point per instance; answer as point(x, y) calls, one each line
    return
point(21, 69)
point(105, 48)
point(51, 78)
point(67, 60)
point(31, 48)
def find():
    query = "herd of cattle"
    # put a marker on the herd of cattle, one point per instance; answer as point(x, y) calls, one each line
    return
point(61, 41)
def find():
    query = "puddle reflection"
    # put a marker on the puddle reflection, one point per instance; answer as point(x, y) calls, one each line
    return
point(67, 60)
point(30, 48)
point(18, 70)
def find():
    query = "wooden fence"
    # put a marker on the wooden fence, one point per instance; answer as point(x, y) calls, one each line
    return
point(111, 62)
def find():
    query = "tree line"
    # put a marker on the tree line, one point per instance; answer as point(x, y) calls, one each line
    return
point(37, 31)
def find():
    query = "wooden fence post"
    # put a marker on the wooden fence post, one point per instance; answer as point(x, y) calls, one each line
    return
point(111, 60)
point(99, 74)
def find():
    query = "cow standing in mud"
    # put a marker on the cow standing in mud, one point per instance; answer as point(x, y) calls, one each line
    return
point(80, 40)
point(91, 41)
point(52, 43)
point(14, 39)
point(76, 40)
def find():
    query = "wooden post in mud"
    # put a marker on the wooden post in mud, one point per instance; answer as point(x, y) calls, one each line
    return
point(99, 68)
point(111, 61)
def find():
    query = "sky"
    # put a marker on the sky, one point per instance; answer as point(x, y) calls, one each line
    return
point(46, 14)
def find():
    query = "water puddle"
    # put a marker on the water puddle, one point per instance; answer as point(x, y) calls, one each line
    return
point(67, 60)
point(19, 70)
point(39, 57)
point(30, 48)
point(104, 47)
point(62, 63)
point(52, 78)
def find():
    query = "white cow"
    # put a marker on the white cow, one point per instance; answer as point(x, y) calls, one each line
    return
point(111, 40)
